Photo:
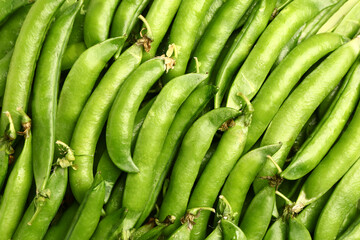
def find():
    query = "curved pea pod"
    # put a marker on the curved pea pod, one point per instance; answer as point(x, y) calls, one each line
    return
point(115, 199)
point(297, 231)
point(4, 68)
point(243, 174)
point(302, 103)
point(277, 231)
point(258, 215)
point(72, 53)
point(23, 61)
point(321, 140)
point(17, 187)
point(119, 128)
point(241, 47)
point(42, 209)
point(194, 146)
point(215, 234)
point(350, 24)
point(231, 231)
point(108, 224)
point(88, 215)
point(93, 117)
point(353, 231)
point(349, 219)
point(10, 6)
point(83, 75)
point(344, 197)
point(157, 231)
point(283, 78)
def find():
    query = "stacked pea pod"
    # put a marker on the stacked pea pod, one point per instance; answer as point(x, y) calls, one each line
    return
point(180, 119)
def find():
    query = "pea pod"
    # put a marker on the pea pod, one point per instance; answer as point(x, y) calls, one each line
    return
point(8, 7)
point(108, 224)
point(72, 53)
point(260, 60)
point(303, 101)
point(277, 231)
point(297, 231)
point(353, 232)
point(18, 186)
point(231, 231)
point(349, 219)
point(4, 68)
point(215, 234)
point(120, 125)
point(93, 117)
point(332, 97)
point(115, 200)
point(350, 24)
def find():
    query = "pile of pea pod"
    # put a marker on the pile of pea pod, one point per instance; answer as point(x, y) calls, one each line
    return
point(180, 119)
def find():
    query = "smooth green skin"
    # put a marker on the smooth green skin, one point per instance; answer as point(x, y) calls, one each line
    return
point(143, 229)
point(16, 192)
point(7, 7)
point(327, 102)
point(115, 201)
point(186, 115)
point(350, 24)
point(184, 31)
point(240, 49)
point(216, 34)
point(216, 170)
point(344, 197)
point(247, 14)
point(109, 172)
point(82, 75)
point(277, 231)
point(181, 233)
point(159, 17)
point(93, 117)
point(77, 34)
point(309, 216)
point(45, 94)
point(4, 68)
point(88, 215)
point(231, 231)
point(107, 225)
point(282, 80)
point(260, 60)
point(297, 231)
point(97, 21)
point(120, 125)
point(151, 140)
point(349, 219)
point(23, 62)
point(321, 140)
point(243, 174)
point(72, 53)
point(194, 146)
point(57, 185)
point(58, 230)
point(353, 231)
point(258, 215)
point(302, 102)
point(153, 233)
point(10, 31)
point(215, 234)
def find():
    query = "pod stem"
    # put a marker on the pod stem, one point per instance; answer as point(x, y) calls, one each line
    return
point(287, 200)
point(69, 156)
point(25, 122)
point(275, 163)
point(192, 214)
point(197, 65)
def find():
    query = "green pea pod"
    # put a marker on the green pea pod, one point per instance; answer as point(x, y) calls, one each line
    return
point(8, 7)
point(277, 231)
point(186, 115)
point(183, 33)
point(122, 115)
point(97, 21)
point(4, 68)
point(303, 101)
point(217, 33)
point(182, 232)
point(77, 33)
point(194, 146)
point(72, 53)
point(94, 115)
point(231, 231)
point(350, 218)
point(154, 233)
point(258, 215)
point(353, 232)
point(238, 52)
point(297, 231)
point(332, 97)
point(42, 210)
point(45, 93)
point(243, 174)
point(159, 18)
point(247, 14)
point(216, 234)
point(88, 215)
point(109, 172)
point(115, 199)
point(319, 143)
point(17, 187)
point(309, 216)
point(10, 31)
point(281, 81)
point(57, 231)
point(260, 60)
point(108, 224)
point(344, 197)
point(350, 24)
point(143, 229)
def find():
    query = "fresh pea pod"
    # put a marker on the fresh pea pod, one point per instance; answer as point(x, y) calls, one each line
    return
point(277, 231)
point(297, 231)
point(303, 101)
point(215, 234)
point(260, 60)
point(115, 200)
point(4, 68)
point(353, 232)
point(18, 186)
point(350, 218)
point(88, 214)
point(9, 6)
point(108, 224)
point(232, 231)
point(120, 125)
point(332, 97)
point(82, 75)
point(72, 53)
point(23, 61)
point(193, 148)
point(350, 24)
point(97, 21)
point(93, 117)
point(238, 52)
point(247, 14)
